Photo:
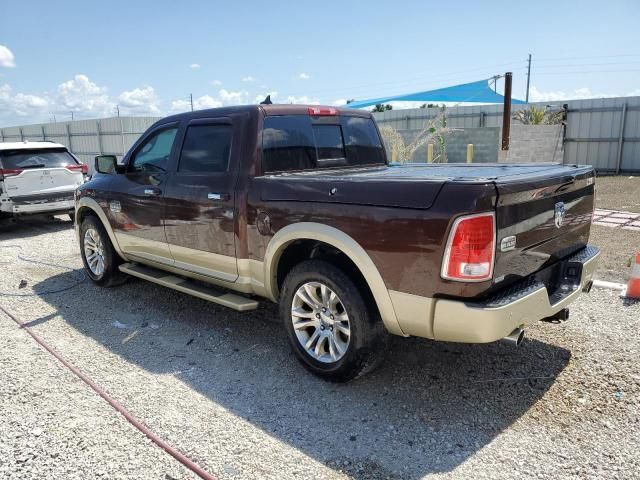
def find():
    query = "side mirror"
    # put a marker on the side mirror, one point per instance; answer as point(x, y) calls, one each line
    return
point(106, 164)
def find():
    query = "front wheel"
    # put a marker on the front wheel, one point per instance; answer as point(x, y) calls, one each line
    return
point(98, 255)
point(332, 330)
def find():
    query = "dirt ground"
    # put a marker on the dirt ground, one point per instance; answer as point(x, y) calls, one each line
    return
point(618, 193)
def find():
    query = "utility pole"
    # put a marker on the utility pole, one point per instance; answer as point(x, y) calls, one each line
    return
point(72, 115)
point(117, 110)
point(528, 78)
point(191, 100)
point(506, 111)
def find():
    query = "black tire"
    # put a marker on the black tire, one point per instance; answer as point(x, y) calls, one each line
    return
point(111, 276)
point(368, 341)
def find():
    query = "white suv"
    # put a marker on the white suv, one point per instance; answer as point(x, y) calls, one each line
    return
point(38, 177)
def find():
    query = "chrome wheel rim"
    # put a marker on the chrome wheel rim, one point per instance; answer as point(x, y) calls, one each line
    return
point(94, 251)
point(320, 322)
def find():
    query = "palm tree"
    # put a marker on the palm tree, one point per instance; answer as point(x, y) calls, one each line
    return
point(538, 116)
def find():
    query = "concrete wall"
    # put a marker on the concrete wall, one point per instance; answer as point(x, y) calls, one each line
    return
point(535, 143)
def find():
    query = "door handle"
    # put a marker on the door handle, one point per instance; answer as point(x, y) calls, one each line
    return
point(218, 196)
point(152, 191)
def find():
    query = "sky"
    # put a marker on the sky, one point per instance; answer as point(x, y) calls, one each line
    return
point(147, 57)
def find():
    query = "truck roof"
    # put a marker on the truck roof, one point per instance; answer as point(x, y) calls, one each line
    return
point(28, 145)
point(271, 109)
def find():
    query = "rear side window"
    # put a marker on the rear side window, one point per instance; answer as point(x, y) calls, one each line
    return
point(206, 149)
point(23, 159)
point(297, 142)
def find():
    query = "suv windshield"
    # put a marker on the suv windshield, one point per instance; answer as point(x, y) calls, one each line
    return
point(49, 158)
point(298, 142)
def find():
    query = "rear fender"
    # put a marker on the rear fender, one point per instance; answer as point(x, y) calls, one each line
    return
point(344, 243)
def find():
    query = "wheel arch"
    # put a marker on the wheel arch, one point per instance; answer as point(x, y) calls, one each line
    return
point(343, 243)
point(88, 206)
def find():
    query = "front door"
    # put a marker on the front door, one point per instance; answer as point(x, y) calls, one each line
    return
point(137, 204)
point(200, 211)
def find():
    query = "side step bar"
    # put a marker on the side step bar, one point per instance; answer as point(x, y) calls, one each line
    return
point(184, 285)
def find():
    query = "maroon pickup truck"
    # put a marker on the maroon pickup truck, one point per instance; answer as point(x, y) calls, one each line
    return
point(298, 205)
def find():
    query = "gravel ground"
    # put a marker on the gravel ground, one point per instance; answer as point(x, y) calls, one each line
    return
point(617, 248)
point(223, 388)
point(618, 193)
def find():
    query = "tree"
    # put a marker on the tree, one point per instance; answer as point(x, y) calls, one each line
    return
point(538, 116)
point(382, 107)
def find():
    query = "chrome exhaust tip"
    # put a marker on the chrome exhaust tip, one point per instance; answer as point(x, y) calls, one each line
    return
point(514, 338)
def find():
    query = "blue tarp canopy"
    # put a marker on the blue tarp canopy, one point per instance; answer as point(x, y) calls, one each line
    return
point(475, 92)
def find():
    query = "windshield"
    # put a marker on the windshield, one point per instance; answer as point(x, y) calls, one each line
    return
point(49, 158)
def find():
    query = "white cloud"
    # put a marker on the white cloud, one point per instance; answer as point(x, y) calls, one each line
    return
point(223, 98)
point(23, 106)
point(304, 99)
point(83, 97)
point(339, 102)
point(304, 76)
point(139, 101)
point(7, 59)
point(248, 78)
point(194, 66)
point(216, 83)
point(536, 95)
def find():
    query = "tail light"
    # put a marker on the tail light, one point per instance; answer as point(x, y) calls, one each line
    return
point(322, 111)
point(82, 167)
point(9, 172)
point(470, 251)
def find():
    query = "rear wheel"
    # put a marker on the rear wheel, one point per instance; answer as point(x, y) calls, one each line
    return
point(331, 329)
point(98, 255)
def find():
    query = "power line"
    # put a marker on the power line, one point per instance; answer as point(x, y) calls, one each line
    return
point(588, 71)
point(592, 56)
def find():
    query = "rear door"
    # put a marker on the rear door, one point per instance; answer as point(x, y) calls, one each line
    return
point(40, 175)
point(200, 220)
point(137, 197)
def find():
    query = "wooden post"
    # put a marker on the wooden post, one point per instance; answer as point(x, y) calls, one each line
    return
point(506, 111)
point(470, 153)
point(430, 153)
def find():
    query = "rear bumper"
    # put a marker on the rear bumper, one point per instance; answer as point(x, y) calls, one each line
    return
point(517, 306)
point(41, 203)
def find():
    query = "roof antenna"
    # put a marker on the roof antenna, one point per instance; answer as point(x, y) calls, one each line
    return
point(267, 101)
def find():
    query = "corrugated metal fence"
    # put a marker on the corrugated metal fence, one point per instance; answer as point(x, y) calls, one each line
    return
point(601, 132)
point(604, 132)
point(85, 138)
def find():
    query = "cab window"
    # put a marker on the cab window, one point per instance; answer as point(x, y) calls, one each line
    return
point(153, 155)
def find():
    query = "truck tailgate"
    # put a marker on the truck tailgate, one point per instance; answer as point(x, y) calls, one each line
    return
point(549, 213)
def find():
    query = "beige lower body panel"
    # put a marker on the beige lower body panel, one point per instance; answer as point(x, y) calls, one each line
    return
point(457, 321)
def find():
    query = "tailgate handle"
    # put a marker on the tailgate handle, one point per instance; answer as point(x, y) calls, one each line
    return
point(152, 191)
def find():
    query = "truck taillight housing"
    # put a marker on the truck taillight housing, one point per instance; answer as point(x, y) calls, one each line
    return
point(470, 252)
point(82, 167)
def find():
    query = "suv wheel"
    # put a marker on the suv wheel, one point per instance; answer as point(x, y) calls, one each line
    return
point(98, 255)
point(331, 330)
